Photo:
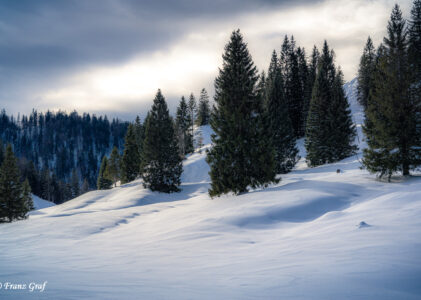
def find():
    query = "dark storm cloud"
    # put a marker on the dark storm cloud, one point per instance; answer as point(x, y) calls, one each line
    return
point(54, 34)
point(42, 42)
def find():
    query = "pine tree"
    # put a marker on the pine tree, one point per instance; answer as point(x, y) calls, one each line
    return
point(113, 166)
point(75, 184)
point(104, 182)
point(365, 72)
point(329, 130)
point(130, 161)
point(294, 92)
point(183, 125)
point(161, 160)
point(139, 133)
point(192, 110)
point(280, 129)
point(414, 39)
point(203, 110)
point(27, 196)
point(85, 187)
point(343, 132)
point(13, 204)
point(392, 117)
point(241, 155)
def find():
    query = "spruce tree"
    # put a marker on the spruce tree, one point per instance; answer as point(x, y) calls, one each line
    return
point(27, 196)
point(294, 92)
point(13, 201)
point(162, 164)
point(329, 130)
point(203, 110)
point(192, 110)
point(365, 72)
point(343, 132)
point(392, 117)
point(183, 124)
point(130, 161)
point(282, 134)
point(414, 36)
point(139, 133)
point(241, 155)
point(113, 166)
point(75, 184)
point(103, 182)
point(85, 187)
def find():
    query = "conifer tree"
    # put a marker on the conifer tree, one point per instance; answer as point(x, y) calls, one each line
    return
point(13, 202)
point(343, 132)
point(130, 161)
point(365, 72)
point(392, 117)
point(75, 184)
point(414, 36)
point(192, 110)
point(329, 130)
point(183, 123)
point(242, 155)
point(161, 160)
point(104, 182)
point(294, 92)
point(280, 129)
point(203, 111)
point(27, 196)
point(113, 166)
point(85, 186)
point(139, 133)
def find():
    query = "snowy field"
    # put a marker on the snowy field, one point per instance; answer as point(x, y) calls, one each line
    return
point(316, 235)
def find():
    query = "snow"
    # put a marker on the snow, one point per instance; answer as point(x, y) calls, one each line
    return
point(41, 203)
point(315, 235)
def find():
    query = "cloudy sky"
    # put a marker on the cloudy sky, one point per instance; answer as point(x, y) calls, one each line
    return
point(110, 56)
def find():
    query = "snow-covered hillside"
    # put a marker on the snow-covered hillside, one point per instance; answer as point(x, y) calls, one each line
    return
point(316, 235)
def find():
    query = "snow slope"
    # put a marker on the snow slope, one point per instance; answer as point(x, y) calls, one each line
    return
point(301, 239)
point(41, 203)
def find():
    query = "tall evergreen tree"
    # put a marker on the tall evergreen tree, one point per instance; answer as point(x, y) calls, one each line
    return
point(161, 160)
point(192, 110)
point(294, 90)
point(27, 196)
point(13, 201)
point(279, 123)
point(113, 166)
point(392, 118)
point(414, 33)
point(139, 133)
point(130, 161)
point(203, 110)
point(104, 182)
point(329, 130)
point(365, 72)
point(183, 124)
point(75, 184)
point(242, 154)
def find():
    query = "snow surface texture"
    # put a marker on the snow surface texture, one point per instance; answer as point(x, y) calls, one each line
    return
point(316, 235)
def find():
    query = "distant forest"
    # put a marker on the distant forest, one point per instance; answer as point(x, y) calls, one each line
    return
point(60, 153)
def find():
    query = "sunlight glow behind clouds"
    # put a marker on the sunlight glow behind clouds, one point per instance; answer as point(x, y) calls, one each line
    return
point(193, 61)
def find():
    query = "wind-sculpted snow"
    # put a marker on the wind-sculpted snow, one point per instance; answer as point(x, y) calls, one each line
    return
point(318, 234)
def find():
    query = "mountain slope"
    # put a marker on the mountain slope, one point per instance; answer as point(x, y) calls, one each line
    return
point(316, 235)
